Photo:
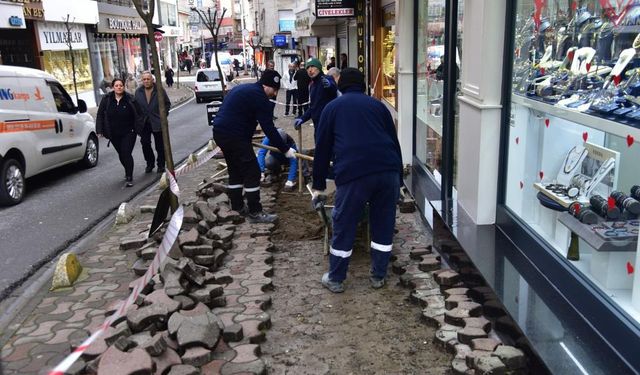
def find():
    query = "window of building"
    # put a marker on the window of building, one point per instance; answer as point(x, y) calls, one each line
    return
point(429, 85)
point(388, 54)
point(574, 138)
point(169, 14)
point(58, 63)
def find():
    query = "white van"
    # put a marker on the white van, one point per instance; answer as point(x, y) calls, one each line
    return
point(40, 129)
point(226, 64)
point(208, 85)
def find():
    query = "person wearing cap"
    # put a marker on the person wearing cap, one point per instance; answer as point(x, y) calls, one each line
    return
point(274, 161)
point(233, 128)
point(358, 133)
point(322, 91)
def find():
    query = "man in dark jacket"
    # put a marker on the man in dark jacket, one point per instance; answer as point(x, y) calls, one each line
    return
point(147, 97)
point(233, 129)
point(321, 93)
point(302, 80)
point(358, 132)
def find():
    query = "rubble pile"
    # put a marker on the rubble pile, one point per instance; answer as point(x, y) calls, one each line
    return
point(458, 305)
point(204, 311)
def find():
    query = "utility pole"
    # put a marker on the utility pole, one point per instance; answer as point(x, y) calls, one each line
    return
point(245, 33)
point(68, 40)
point(212, 24)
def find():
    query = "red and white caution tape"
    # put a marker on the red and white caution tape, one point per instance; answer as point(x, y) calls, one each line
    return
point(201, 159)
point(294, 105)
point(168, 240)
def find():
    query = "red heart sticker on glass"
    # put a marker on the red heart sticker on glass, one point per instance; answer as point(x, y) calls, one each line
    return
point(611, 202)
point(541, 174)
point(629, 268)
point(629, 140)
point(517, 140)
point(570, 55)
point(542, 71)
point(617, 79)
point(546, 122)
point(574, 5)
point(588, 66)
point(521, 184)
point(585, 136)
point(577, 209)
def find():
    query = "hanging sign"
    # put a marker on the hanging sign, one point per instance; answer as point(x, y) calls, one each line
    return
point(335, 8)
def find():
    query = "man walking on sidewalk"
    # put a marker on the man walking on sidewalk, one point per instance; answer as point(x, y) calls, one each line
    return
point(357, 132)
point(233, 129)
point(147, 97)
point(302, 80)
point(291, 87)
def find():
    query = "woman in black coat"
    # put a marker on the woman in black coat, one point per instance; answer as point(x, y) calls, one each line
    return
point(119, 119)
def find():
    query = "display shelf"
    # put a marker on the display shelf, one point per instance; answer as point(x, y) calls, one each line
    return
point(611, 127)
point(565, 202)
point(595, 241)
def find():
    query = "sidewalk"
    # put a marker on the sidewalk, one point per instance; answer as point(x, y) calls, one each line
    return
point(260, 307)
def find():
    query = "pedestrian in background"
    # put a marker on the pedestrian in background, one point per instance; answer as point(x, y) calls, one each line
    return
point(147, 98)
point(291, 87)
point(322, 91)
point(344, 61)
point(302, 80)
point(242, 109)
point(350, 127)
point(119, 118)
point(332, 63)
point(168, 76)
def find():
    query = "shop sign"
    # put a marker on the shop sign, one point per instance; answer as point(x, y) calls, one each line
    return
point(360, 35)
point(335, 8)
point(54, 36)
point(31, 9)
point(120, 24)
point(289, 52)
point(15, 21)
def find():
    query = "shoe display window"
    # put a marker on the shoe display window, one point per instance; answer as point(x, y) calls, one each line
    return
point(573, 165)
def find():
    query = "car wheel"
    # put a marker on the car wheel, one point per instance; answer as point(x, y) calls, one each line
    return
point(91, 153)
point(12, 182)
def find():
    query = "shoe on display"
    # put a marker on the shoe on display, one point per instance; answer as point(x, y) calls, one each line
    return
point(333, 286)
point(148, 169)
point(261, 217)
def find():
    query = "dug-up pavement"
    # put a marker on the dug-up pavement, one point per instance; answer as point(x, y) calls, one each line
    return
point(240, 298)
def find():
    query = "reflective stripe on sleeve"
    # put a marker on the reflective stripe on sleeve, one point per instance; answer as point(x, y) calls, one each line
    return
point(379, 247)
point(340, 253)
point(234, 186)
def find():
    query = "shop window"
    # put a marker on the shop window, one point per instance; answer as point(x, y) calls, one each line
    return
point(388, 53)
point(429, 84)
point(168, 13)
point(58, 63)
point(573, 149)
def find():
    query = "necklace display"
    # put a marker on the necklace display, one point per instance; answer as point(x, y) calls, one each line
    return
point(573, 159)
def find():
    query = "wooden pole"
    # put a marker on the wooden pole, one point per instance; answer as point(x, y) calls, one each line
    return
point(300, 164)
point(298, 155)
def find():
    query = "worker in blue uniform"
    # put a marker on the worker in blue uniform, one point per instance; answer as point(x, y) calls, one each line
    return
point(357, 132)
point(242, 109)
point(274, 161)
point(322, 90)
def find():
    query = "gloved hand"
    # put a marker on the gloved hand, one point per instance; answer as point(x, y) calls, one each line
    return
point(297, 123)
point(318, 199)
point(325, 82)
point(290, 154)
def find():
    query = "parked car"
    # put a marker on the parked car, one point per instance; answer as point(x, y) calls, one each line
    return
point(208, 85)
point(40, 129)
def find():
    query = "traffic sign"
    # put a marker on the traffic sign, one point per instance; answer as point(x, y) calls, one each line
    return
point(157, 36)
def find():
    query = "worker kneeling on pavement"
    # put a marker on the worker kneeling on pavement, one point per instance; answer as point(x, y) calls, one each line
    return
point(273, 162)
point(358, 133)
point(233, 128)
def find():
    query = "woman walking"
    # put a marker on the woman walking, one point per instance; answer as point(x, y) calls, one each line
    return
point(119, 119)
point(168, 76)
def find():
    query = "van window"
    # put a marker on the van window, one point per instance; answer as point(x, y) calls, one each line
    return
point(207, 76)
point(62, 99)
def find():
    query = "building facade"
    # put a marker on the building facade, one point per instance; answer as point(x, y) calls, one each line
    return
point(518, 125)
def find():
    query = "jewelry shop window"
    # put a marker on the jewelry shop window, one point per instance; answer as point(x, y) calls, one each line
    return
point(388, 53)
point(429, 83)
point(573, 162)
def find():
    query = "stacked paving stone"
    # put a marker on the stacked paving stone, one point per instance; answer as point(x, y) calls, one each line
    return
point(458, 310)
point(204, 311)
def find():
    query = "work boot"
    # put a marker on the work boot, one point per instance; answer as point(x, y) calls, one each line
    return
point(376, 283)
point(333, 286)
point(261, 217)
